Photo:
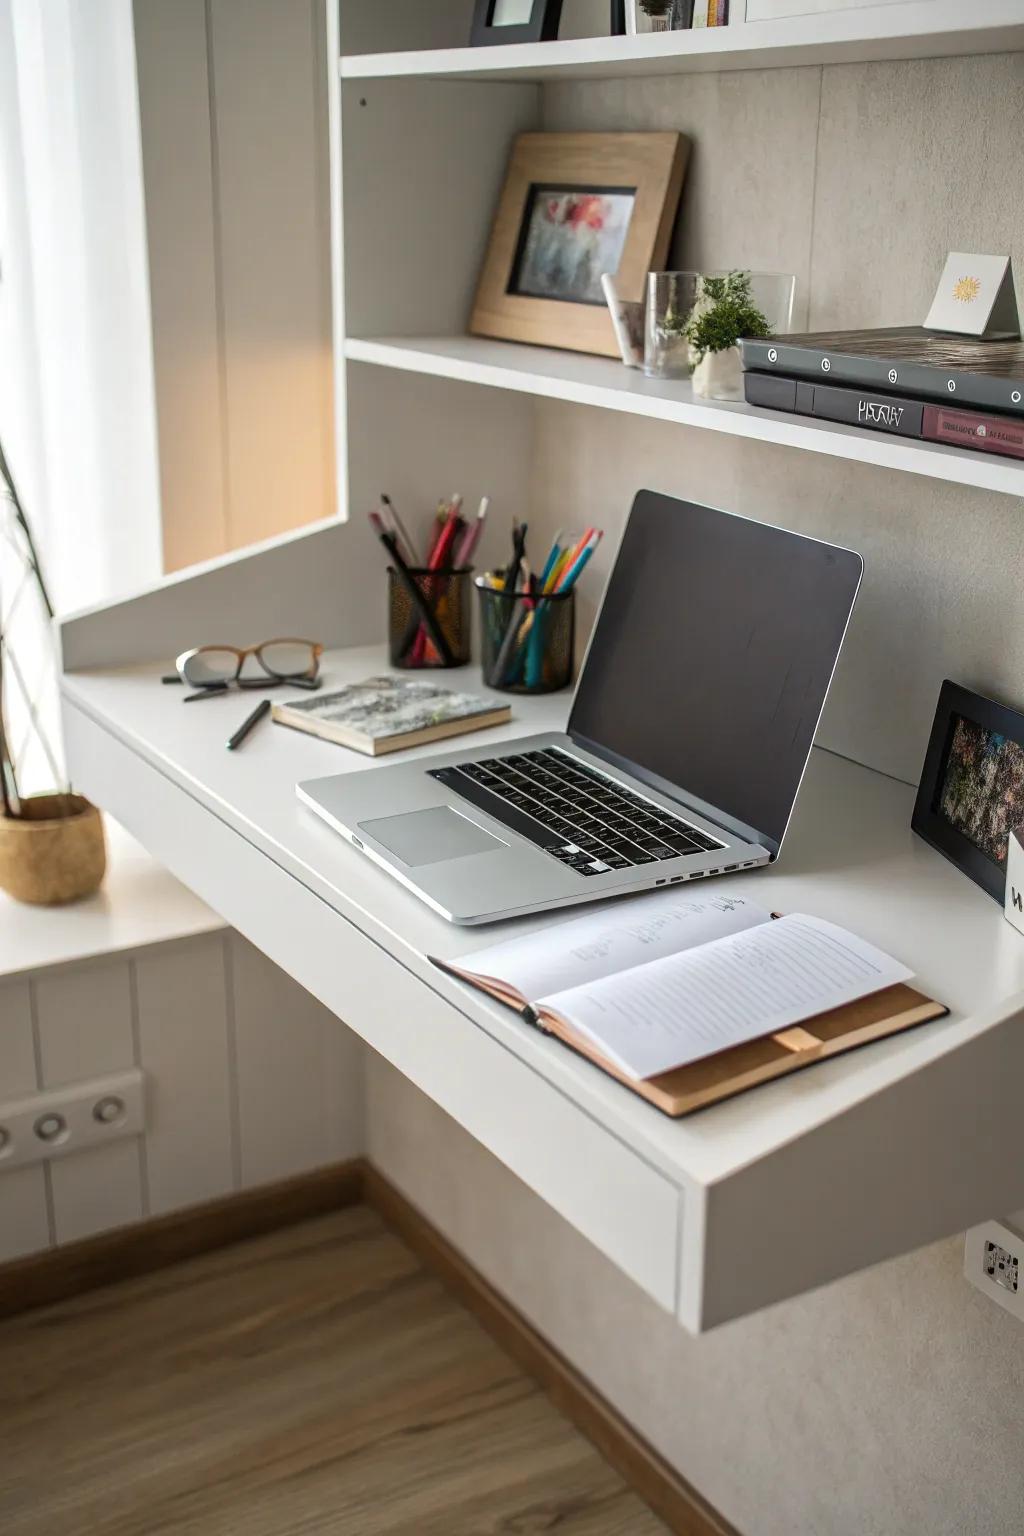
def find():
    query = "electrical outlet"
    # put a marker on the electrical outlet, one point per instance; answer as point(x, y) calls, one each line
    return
point(994, 1262)
point(63, 1121)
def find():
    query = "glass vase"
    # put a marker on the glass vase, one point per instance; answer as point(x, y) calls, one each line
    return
point(671, 297)
point(672, 300)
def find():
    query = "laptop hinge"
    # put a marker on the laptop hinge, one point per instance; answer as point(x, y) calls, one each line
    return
point(690, 803)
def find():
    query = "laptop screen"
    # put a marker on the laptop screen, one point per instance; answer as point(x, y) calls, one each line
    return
point(712, 656)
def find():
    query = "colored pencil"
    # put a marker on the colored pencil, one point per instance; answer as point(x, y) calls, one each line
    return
point(471, 538)
point(572, 575)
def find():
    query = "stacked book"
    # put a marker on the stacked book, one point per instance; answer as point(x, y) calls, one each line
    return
point(907, 381)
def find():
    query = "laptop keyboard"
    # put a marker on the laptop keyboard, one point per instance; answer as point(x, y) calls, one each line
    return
point(590, 823)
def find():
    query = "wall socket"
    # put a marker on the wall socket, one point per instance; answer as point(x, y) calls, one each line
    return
point(994, 1262)
point(63, 1121)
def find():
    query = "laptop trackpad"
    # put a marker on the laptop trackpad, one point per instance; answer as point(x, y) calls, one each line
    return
point(428, 837)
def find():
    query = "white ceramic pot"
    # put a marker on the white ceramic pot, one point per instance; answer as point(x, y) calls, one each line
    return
point(719, 375)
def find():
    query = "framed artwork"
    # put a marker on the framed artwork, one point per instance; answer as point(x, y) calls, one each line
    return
point(529, 21)
point(515, 21)
point(971, 795)
point(574, 206)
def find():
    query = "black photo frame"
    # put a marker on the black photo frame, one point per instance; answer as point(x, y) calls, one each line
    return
point(542, 26)
point(981, 718)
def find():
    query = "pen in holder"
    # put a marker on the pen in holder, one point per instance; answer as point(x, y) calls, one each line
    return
point(428, 617)
point(527, 642)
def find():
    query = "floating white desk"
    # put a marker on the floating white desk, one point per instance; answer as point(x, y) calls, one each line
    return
point(779, 1190)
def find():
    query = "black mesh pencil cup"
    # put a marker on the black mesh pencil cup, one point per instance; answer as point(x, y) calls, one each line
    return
point(429, 619)
point(526, 642)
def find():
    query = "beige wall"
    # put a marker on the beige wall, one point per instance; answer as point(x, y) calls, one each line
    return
point(883, 1405)
point(857, 178)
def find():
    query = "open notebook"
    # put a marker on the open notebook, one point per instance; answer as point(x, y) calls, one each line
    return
point(687, 999)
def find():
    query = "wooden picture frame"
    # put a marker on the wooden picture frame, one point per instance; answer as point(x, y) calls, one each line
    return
point(967, 724)
point(620, 191)
point(542, 27)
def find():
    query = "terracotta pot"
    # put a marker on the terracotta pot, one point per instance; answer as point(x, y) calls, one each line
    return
point(48, 858)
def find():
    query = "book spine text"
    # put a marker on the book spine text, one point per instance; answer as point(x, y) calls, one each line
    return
point(988, 434)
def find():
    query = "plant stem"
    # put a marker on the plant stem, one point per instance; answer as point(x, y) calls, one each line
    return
point(10, 794)
point(22, 520)
point(8, 780)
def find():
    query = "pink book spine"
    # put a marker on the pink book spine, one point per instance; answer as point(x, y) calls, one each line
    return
point(721, 13)
point(989, 434)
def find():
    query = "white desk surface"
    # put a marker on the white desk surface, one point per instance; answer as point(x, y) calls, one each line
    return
point(850, 857)
point(139, 903)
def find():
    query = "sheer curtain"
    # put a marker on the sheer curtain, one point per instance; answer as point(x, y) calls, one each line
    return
point(77, 412)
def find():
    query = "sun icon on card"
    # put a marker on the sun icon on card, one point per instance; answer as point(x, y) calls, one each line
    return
point(966, 289)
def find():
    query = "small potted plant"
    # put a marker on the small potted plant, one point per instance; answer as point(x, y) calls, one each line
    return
point(52, 848)
point(724, 312)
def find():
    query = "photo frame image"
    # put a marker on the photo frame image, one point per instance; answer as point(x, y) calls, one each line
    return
point(515, 21)
point(971, 795)
point(574, 206)
point(529, 21)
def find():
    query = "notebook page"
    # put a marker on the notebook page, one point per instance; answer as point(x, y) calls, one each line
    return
point(611, 939)
point(687, 1006)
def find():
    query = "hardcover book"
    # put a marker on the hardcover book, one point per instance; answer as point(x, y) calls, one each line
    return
point(968, 429)
point(861, 408)
point(888, 413)
point(385, 714)
point(910, 361)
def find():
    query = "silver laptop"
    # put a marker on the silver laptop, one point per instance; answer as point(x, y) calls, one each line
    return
point(689, 733)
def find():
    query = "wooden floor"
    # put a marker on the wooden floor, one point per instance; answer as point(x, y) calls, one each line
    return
point(318, 1380)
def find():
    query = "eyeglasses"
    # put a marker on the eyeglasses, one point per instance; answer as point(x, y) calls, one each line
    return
point(280, 661)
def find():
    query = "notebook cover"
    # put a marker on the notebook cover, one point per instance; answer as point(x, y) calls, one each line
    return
point(702, 1083)
point(714, 1078)
point(383, 714)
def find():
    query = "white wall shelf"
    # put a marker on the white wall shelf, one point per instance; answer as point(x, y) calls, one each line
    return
point(138, 904)
point(919, 29)
point(605, 383)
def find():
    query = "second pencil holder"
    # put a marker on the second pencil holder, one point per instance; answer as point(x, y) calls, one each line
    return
point(431, 629)
point(526, 642)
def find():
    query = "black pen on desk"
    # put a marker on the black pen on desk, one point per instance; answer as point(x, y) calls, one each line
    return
point(208, 691)
point(249, 724)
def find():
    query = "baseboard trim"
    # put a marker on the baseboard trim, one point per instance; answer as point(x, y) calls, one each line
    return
point(126, 1252)
point(668, 1494)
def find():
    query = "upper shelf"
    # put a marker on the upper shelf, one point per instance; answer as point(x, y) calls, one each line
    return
point(918, 29)
point(606, 383)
